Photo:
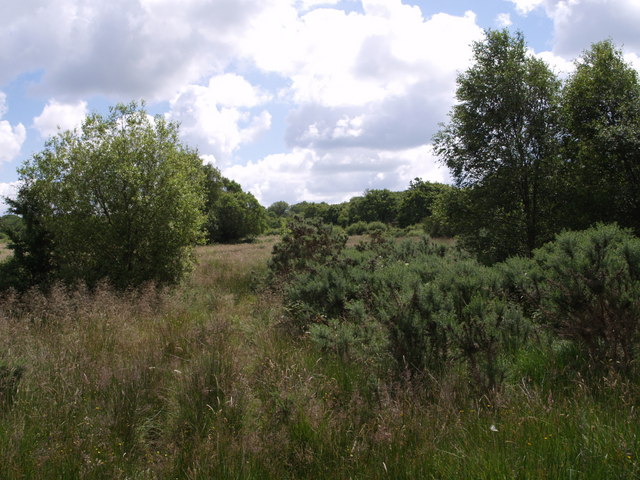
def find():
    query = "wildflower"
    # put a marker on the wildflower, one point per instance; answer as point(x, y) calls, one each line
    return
point(493, 428)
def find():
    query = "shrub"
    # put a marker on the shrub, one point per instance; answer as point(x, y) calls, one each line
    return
point(305, 244)
point(586, 287)
point(414, 303)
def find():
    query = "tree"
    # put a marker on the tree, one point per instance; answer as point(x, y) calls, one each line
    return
point(120, 199)
point(279, 209)
point(501, 141)
point(232, 215)
point(374, 206)
point(417, 201)
point(601, 115)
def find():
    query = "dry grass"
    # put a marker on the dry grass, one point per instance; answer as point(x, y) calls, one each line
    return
point(203, 382)
point(4, 251)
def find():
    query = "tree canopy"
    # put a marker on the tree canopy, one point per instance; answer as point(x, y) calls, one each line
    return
point(232, 215)
point(601, 119)
point(501, 142)
point(120, 199)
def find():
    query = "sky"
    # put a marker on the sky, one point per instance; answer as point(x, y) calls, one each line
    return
point(314, 100)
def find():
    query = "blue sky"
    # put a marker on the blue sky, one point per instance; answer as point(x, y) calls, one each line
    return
point(295, 99)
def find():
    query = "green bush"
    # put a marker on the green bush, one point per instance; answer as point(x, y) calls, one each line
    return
point(414, 305)
point(586, 287)
point(305, 244)
point(120, 199)
point(362, 228)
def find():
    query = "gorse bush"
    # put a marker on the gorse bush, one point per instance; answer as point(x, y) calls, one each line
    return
point(585, 286)
point(412, 304)
point(423, 307)
point(361, 228)
point(305, 244)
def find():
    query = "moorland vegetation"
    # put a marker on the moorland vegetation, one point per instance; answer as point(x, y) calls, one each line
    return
point(508, 349)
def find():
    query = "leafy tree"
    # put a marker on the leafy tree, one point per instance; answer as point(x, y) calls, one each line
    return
point(451, 215)
point(232, 215)
point(238, 216)
point(119, 199)
point(417, 201)
point(501, 141)
point(279, 209)
point(10, 223)
point(375, 206)
point(601, 114)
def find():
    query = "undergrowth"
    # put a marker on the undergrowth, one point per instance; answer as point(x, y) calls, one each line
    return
point(211, 381)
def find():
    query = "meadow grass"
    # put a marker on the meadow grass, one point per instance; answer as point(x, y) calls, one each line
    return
point(205, 381)
point(5, 252)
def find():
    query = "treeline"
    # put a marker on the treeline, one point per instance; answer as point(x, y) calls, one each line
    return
point(544, 280)
point(531, 156)
point(122, 200)
point(534, 155)
point(376, 210)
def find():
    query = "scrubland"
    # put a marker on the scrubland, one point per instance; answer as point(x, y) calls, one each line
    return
point(210, 380)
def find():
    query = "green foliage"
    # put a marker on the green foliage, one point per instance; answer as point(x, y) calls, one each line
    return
point(417, 201)
point(501, 143)
point(232, 215)
point(361, 228)
point(306, 244)
point(33, 260)
point(586, 287)
point(412, 303)
point(601, 118)
point(374, 206)
point(10, 223)
point(279, 209)
point(120, 199)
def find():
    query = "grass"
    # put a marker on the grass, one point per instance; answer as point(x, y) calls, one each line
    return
point(206, 382)
point(5, 252)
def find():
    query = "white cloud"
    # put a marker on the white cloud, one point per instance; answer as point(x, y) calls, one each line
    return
point(121, 49)
point(336, 176)
point(60, 116)
point(633, 59)
point(309, 4)
point(523, 7)
point(11, 137)
point(219, 117)
point(362, 58)
point(503, 20)
point(559, 65)
point(9, 189)
point(387, 67)
point(231, 90)
point(579, 23)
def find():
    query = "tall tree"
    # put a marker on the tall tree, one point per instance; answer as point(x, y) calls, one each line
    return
point(601, 114)
point(120, 199)
point(501, 142)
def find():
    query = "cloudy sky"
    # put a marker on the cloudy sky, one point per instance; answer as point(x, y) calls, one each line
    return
point(295, 99)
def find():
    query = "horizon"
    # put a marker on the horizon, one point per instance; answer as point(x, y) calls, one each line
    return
point(296, 100)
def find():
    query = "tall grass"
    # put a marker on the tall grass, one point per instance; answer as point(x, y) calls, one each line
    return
point(205, 381)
